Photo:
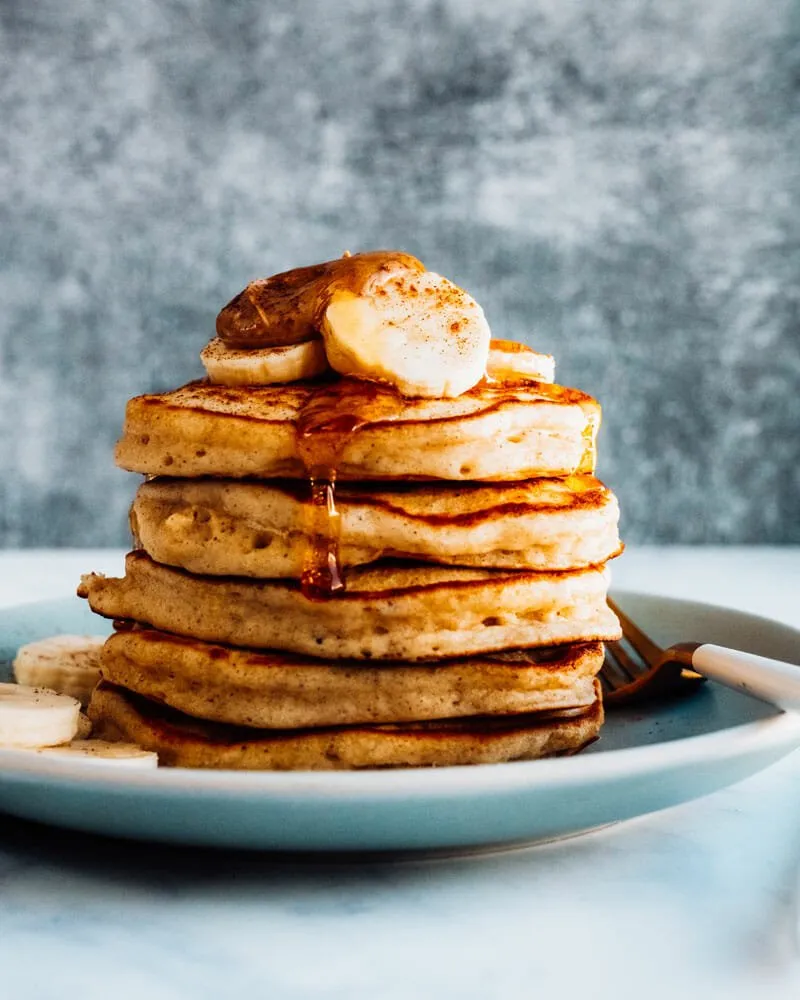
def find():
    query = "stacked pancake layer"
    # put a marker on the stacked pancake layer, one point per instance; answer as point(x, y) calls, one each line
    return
point(472, 537)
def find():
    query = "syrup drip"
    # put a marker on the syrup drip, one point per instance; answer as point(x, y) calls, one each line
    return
point(589, 434)
point(322, 575)
point(133, 524)
point(326, 426)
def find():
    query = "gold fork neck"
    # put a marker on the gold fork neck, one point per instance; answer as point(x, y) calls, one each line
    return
point(682, 653)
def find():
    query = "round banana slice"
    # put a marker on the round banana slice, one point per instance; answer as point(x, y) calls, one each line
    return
point(66, 664)
point(510, 361)
point(103, 753)
point(263, 366)
point(416, 331)
point(36, 717)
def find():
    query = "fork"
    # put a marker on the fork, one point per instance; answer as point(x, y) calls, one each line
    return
point(638, 670)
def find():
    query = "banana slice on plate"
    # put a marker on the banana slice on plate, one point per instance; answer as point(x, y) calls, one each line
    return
point(36, 717)
point(263, 366)
point(416, 331)
point(509, 360)
point(102, 752)
point(66, 664)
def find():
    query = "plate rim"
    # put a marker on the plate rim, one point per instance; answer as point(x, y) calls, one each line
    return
point(781, 730)
point(764, 735)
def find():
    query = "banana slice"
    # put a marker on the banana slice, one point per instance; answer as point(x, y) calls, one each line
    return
point(263, 366)
point(416, 331)
point(66, 664)
point(36, 717)
point(510, 360)
point(103, 752)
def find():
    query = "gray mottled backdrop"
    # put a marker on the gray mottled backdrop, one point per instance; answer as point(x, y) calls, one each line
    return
point(617, 181)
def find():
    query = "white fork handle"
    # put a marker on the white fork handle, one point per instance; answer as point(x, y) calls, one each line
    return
point(770, 680)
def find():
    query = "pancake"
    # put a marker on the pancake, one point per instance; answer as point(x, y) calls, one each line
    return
point(492, 432)
point(389, 611)
point(259, 529)
point(181, 741)
point(273, 690)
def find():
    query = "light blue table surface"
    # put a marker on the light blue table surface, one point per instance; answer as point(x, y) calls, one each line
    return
point(697, 901)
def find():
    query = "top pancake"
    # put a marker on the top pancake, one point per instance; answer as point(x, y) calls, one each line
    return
point(492, 432)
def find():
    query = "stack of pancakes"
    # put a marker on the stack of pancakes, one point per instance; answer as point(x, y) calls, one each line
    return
point(472, 539)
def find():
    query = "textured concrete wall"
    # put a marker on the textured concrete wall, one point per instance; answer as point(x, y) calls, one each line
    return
point(617, 181)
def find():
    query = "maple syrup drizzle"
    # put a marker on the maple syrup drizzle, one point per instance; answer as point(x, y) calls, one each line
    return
point(589, 434)
point(322, 574)
point(133, 524)
point(327, 424)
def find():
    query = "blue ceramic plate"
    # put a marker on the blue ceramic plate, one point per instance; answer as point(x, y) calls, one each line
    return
point(646, 760)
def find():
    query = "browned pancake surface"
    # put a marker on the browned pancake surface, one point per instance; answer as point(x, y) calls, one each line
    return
point(277, 690)
point(228, 527)
point(389, 611)
point(181, 741)
point(488, 433)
